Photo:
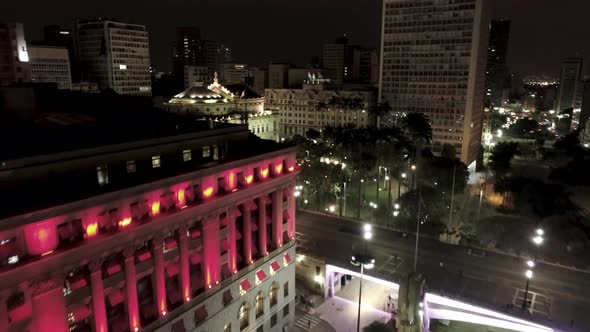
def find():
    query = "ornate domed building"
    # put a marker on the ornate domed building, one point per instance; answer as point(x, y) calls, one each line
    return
point(216, 100)
point(235, 103)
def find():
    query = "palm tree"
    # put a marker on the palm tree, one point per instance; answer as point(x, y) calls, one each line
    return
point(378, 110)
point(417, 126)
point(335, 103)
point(356, 104)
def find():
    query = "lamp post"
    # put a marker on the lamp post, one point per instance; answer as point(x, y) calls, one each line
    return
point(365, 261)
point(528, 274)
point(537, 240)
point(399, 185)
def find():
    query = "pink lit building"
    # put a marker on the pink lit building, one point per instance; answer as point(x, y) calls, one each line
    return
point(176, 228)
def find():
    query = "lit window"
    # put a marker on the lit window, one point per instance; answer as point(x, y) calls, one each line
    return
point(102, 174)
point(131, 168)
point(155, 161)
point(215, 152)
point(186, 155)
point(206, 152)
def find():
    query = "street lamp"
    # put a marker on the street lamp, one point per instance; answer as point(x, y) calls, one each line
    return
point(365, 261)
point(538, 240)
point(528, 274)
point(530, 263)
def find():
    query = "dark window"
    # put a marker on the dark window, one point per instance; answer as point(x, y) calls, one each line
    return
point(285, 310)
point(286, 289)
point(273, 320)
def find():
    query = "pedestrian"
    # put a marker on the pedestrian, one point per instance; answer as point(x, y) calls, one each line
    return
point(388, 305)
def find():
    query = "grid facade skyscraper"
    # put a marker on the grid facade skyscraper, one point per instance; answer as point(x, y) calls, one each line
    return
point(115, 55)
point(497, 73)
point(570, 85)
point(433, 56)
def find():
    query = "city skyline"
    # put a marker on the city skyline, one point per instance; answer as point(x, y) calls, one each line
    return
point(299, 39)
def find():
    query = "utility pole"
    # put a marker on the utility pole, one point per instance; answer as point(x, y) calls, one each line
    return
point(418, 228)
point(389, 197)
point(452, 198)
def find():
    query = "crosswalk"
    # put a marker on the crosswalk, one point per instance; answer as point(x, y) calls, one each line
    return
point(307, 322)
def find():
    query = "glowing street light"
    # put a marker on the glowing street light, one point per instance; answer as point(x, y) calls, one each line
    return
point(538, 240)
point(365, 262)
point(530, 263)
point(404, 175)
point(413, 167)
point(540, 232)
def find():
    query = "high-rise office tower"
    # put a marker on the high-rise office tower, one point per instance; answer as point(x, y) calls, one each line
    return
point(190, 50)
point(50, 64)
point(497, 73)
point(115, 55)
point(14, 57)
point(278, 75)
point(569, 94)
point(54, 35)
point(338, 59)
point(433, 61)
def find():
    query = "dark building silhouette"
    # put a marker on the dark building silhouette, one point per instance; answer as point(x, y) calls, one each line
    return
point(497, 72)
point(190, 50)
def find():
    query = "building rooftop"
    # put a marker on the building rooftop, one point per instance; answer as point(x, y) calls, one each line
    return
point(34, 151)
point(72, 121)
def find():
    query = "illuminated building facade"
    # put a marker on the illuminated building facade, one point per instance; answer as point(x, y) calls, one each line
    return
point(300, 109)
point(190, 231)
point(115, 55)
point(50, 64)
point(433, 59)
point(14, 57)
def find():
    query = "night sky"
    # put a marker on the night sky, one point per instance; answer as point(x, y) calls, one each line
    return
point(543, 31)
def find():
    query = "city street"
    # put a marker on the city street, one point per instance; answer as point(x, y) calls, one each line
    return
point(558, 296)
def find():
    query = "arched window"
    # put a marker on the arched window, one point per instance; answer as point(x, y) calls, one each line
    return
point(274, 293)
point(259, 304)
point(244, 316)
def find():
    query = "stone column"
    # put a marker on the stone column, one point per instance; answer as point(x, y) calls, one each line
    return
point(159, 276)
point(262, 246)
point(247, 233)
point(292, 209)
point(232, 236)
point(131, 289)
point(185, 281)
point(277, 218)
point(98, 304)
point(211, 250)
point(49, 306)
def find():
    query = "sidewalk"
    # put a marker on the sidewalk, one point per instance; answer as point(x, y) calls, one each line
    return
point(306, 317)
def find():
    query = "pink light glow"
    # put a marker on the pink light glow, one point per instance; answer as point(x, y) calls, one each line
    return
point(155, 208)
point(125, 222)
point(91, 230)
point(445, 314)
point(208, 192)
point(249, 179)
point(278, 168)
point(231, 180)
point(291, 168)
point(40, 237)
point(181, 198)
point(264, 173)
